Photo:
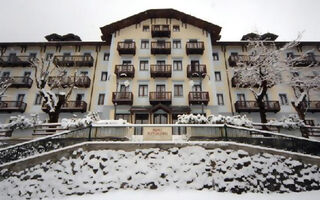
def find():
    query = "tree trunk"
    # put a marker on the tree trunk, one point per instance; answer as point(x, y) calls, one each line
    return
point(53, 117)
point(301, 113)
point(261, 105)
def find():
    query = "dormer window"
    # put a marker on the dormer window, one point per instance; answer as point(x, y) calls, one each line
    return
point(176, 28)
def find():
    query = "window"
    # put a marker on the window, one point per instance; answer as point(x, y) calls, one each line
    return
point(32, 55)
point(241, 97)
point(123, 116)
point(283, 99)
point(176, 44)
point(126, 62)
point(38, 100)
point(106, 56)
point(104, 76)
point(144, 44)
point(234, 54)
point(290, 55)
point(84, 73)
point(215, 56)
point(176, 28)
point(217, 76)
point(6, 74)
point(178, 90)
point(140, 119)
point(220, 99)
point(196, 88)
point(177, 65)
point(143, 90)
point(144, 65)
point(20, 97)
point(49, 56)
point(101, 99)
point(145, 28)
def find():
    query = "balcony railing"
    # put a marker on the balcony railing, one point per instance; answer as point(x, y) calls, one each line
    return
point(160, 97)
point(160, 71)
point(252, 106)
point(122, 98)
point(160, 47)
point(126, 48)
point(18, 81)
point(312, 106)
point(77, 61)
point(12, 106)
point(67, 81)
point(234, 59)
point(199, 98)
point(124, 71)
point(308, 60)
point(194, 48)
point(70, 106)
point(196, 71)
point(160, 31)
point(15, 61)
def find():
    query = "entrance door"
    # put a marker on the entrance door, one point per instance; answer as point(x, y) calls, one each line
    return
point(79, 98)
point(20, 99)
point(160, 118)
point(160, 89)
point(140, 119)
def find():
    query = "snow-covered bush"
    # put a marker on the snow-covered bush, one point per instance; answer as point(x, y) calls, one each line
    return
point(80, 122)
point(21, 122)
point(290, 122)
point(192, 119)
point(238, 120)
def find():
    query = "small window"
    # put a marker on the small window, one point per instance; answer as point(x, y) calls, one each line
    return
point(32, 56)
point(178, 90)
point(106, 56)
point(6, 74)
point(241, 97)
point(84, 73)
point(215, 56)
point(283, 99)
point(220, 99)
point(144, 44)
point(104, 76)
point(144, 65)
point(176, 44)
point(176, 28)
point(177, 65)
point(290, 55)
point(217, 76)
point(143, 90)
point(101, 99)
point(49, 56)
point(145, 28)
point(38, 99)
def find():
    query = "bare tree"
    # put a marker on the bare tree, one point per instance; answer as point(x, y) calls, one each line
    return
point(53, 102)
point(4, 85)
point(303, 81)
point(262, 70)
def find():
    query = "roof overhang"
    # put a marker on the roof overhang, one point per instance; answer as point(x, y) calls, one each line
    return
point(212, 29)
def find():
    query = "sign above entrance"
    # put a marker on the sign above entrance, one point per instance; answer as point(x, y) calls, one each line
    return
point(157, 133)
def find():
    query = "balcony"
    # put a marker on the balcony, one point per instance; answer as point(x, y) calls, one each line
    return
point(312, 106)
point(160, 47)
point(194, 48)
point(234, 59)
point(196, 71)
point(15, 61)
point(67, 81)
point(18, 81)
point(160, 31)
point(122, 98)
point(160, 97)
point(308, 60)
point(124, 71)
point(70, 61)
point(198, 98)
point(252, 106)
point(160, 71)
point(70, 106)
point(12, 106)
point(126, 48)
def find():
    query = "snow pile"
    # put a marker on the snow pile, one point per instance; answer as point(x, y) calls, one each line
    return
point(80, 122)
point(192, 119)
point(185, 168)
point(238, 120)
point(21, 122)
point(290, 122)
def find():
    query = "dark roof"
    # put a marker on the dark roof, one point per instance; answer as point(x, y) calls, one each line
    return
point(67, 37)
point(254, 36)
point(269, 37)
point(250, 36)
point(53, 43)
point(107, 30)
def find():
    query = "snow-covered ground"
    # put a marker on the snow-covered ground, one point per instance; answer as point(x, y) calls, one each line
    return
point(194, 195)
point(188, 168)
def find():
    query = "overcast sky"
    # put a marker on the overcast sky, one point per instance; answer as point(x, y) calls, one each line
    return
point(31, 20)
